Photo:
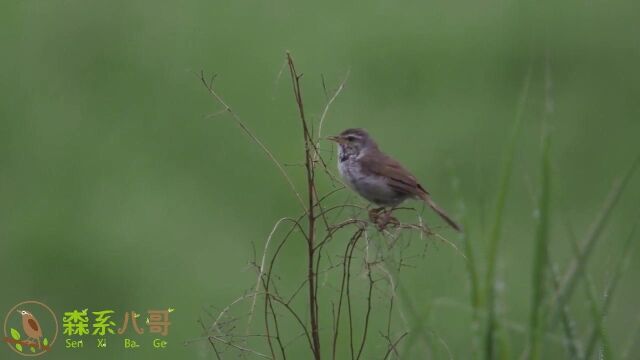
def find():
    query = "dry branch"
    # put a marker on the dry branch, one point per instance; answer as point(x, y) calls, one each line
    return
point(317, 226)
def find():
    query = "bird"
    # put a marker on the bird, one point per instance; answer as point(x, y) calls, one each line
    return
point(31, 326)
point(378, 177)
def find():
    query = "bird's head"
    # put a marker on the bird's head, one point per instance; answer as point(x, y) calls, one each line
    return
point(353, 141)
point(23, 312)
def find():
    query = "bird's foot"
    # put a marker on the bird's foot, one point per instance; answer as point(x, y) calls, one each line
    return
point(383, 218)
point(374, 214)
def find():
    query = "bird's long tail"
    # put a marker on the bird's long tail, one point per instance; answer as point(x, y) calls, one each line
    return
point(442, 213)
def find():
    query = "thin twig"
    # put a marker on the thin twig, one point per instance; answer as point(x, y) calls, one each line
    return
point(311, 219)
point(229, 343)
point(243, 126)
point(368, 312)
point(262, 265)
point(392, 347)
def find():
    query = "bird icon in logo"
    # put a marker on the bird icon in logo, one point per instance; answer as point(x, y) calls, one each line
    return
point(31, 326)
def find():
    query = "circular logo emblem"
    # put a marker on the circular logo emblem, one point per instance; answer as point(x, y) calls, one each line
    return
point(30, 328)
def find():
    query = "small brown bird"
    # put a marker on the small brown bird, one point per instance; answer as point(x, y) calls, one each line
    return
point(377, 177)
point(31, 326)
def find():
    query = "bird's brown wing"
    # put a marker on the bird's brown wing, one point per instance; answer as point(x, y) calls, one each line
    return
point(33, 324)
point(402, 181)
point(398, 178)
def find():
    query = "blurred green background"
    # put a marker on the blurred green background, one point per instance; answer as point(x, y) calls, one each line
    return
point(117, 191)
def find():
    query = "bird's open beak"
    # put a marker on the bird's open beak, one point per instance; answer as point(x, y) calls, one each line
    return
point(337, 139)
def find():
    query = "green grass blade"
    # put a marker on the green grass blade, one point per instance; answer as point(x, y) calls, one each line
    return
point(472, 273)
point(598, 320)
point(496, 230)
point(469, 253)
point(612, 286)
point(577, 266)
point(474, 292)
point(540, 256)
point(570, 341)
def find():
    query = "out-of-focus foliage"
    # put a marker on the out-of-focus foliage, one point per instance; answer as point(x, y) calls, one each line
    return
point(117, 191)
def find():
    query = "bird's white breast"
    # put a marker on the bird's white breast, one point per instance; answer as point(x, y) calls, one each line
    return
point(371, 187)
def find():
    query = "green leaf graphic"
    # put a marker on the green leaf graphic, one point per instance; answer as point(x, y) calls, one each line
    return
point(33, 349)
point(45, 342)
point(15, 334)
point(19, 347)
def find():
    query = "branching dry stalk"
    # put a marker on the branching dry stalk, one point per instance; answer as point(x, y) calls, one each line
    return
point(287, 319)
point(311, 197)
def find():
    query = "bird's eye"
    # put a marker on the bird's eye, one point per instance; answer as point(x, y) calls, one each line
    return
point(351, 138)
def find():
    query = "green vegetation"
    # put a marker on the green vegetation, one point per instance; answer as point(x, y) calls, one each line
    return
point(124, 185)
